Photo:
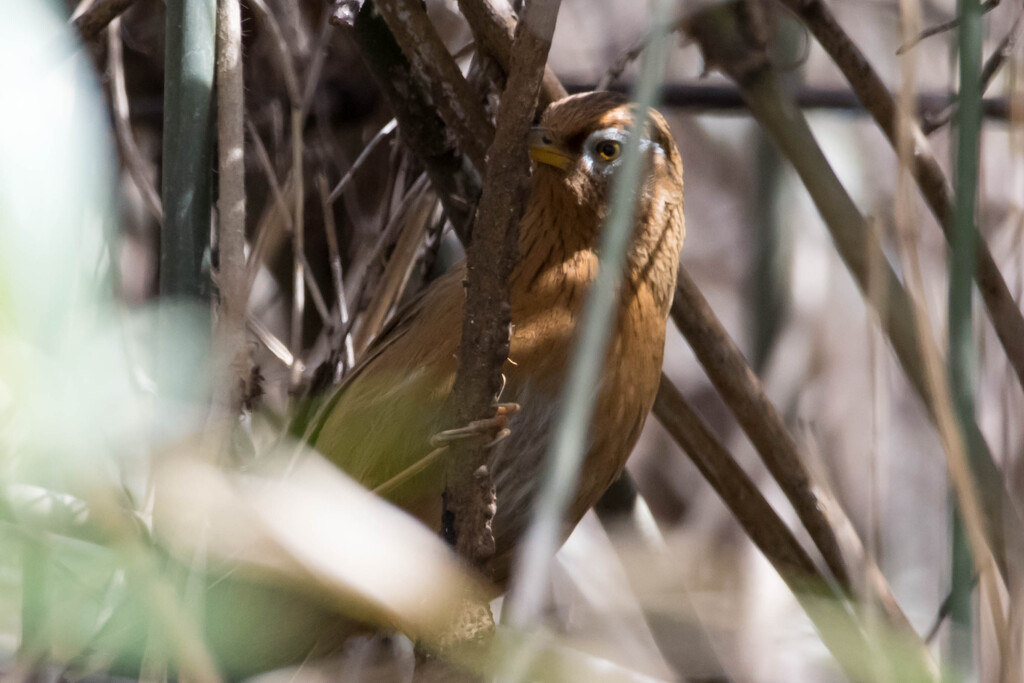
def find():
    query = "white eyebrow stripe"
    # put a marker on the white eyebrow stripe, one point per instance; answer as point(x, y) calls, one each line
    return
point(620, 135)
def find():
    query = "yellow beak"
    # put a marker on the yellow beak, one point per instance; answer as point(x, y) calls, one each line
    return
point(544, 149)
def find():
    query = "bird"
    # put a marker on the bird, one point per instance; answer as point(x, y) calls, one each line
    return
point(378, 424)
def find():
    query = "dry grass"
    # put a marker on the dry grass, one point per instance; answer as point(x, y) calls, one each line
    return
point(128, 552)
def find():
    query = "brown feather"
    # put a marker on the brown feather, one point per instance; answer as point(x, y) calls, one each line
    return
point(380, 422)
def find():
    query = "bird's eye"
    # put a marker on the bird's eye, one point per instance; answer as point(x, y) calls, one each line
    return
point(608, 150)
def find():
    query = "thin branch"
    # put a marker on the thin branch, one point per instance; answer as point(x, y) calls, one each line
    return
point(493, 27)
point(424, 132)
point(93, 20)
point(281, 52)
point(1004, 312)
point(469, 496)
point(458, 105)
point(298, 244)
point(720, 36)
point(381, 135)
point(277, 347)
point(743, 393)
point(319, 302)
point(839, 631)
point(231, 203)
point(987, 6)
point(406, 226)
point(133, 159)
point(337, 276)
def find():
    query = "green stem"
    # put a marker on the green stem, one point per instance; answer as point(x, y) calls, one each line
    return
point(961, 346)
point(187, 146)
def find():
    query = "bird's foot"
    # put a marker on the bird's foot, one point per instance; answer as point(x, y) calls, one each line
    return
point(495, 427)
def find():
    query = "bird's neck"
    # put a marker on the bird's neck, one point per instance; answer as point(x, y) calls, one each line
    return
point(558, 255)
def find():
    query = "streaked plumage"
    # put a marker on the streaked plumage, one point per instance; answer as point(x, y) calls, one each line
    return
point(380, 421)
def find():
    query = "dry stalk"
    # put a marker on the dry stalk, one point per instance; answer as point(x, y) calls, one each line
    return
point(231, 207)
point(137, 165)
point(458, 105)
point(493, 27)
point(298, 246)
point(839, 631)
point(380, 137)
point(423, 131)
point(1004, 313)
point(720, 34)
point(410, 225)
point(745, 396)
point(97, 17)
point(337, 276)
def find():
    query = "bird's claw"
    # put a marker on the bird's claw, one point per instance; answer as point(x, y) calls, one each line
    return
point(497, 425)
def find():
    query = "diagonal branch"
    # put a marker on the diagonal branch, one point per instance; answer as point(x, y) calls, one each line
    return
point(93, 20)
point(839, 631)
point(493, 27)
point(1004, 312)
point(451, 173)
point(458, 105)
point(721, 37)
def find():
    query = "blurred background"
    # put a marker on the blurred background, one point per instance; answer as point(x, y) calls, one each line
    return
point(80, 219)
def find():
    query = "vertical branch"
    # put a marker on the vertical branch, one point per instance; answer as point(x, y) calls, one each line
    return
point(469, 497)
point(577, 405)
point(187, 146)
point(298, 247)
point(231, 280)
point(961, 346)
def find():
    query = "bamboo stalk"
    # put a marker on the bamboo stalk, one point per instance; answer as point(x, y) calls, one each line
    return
point(188, 146)
point(960, 318)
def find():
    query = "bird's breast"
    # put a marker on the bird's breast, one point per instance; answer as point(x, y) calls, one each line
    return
point(545, 322)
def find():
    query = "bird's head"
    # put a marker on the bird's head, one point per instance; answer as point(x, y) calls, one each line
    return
point(578, 148)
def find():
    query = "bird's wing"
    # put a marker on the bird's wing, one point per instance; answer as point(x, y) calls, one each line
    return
point(378, 422)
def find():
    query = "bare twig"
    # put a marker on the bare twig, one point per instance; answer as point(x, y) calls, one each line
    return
point(423, 131)
point(277, 347)
point(283, 54)
point(719, 35)
point(319, 302)
point(93, 20)
point(298, 244)
point(267, 165)
point(410, 223)
point(493, 27)
point(492, 254)
point(994, 62)
point(231, 203)
point(757, 517)
point(941, 28)
point(337, 274)
point(135, 162)
point(744, 394)
point(458, 105)
point(381, 135)
point(1004, 313)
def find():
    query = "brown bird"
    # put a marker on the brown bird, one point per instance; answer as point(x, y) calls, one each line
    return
point(379, 423)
